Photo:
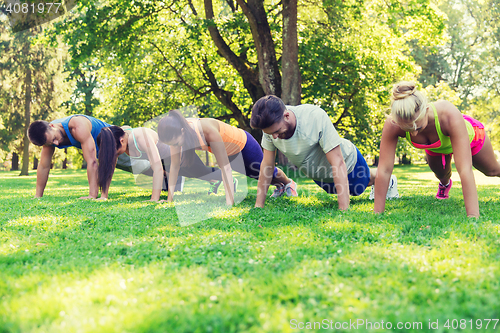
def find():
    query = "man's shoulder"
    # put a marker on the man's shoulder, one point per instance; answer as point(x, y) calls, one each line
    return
point(307, 112)
point(83, 120)
point(305, 108)
point(80, 124)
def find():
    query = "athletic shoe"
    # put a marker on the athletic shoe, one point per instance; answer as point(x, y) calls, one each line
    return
point(278, 191)
point(235, 184)
point(372, 193)
point(392, 191)
point(179, 187)
point(214, 187)
point(443, 191)
point(291, 189)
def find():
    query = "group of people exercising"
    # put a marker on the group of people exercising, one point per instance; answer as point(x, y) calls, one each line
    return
point(303, 133)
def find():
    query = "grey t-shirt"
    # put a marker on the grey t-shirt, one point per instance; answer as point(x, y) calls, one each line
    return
point(314, 136)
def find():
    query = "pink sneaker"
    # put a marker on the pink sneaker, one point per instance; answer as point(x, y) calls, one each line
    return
point(278, 191)
point(291, 189)
point(443, 191)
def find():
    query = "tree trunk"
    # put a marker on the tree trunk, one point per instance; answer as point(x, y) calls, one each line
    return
point(249, 76)
point(65, 161)
point(15, 162)
point(84, 163)
point(27, 113)
point(292, 88)
point(35, 163)
point(292, 83)
point(269, 74)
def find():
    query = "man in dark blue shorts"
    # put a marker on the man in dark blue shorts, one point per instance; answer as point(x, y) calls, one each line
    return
point(307, 137)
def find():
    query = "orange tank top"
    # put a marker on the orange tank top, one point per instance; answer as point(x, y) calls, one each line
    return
point(234, 138)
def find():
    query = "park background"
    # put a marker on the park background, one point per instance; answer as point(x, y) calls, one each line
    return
point(127, 266)
point(127, 62)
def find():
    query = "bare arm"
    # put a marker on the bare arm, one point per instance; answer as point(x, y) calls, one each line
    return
point(339, 171)
point(147, 141)
point(175, 164)
point(81, 128)
point(214, 140)
point(42, 172)
point(265, 177)
point(388, 143)
point(454, 126)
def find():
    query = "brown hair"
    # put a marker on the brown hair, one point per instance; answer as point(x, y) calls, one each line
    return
point(267, 111)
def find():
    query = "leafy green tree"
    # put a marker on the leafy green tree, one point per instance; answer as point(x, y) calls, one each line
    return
point(31, 87)
point(224, 55)
point(468, 60)
point(83, 99)
point(354, 52)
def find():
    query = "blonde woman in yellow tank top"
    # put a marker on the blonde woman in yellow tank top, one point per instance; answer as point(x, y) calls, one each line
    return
point(441, 129)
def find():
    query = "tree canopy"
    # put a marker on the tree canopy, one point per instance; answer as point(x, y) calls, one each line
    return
point(130, 61)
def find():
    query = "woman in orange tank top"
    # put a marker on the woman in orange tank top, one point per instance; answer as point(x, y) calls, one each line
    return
point(223, 140)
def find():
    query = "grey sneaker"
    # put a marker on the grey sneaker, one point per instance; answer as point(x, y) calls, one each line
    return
point(278, 191)
point(291, 189)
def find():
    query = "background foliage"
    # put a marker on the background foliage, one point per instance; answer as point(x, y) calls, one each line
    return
point(129, 61)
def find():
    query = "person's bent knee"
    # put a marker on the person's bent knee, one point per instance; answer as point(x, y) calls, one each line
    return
point(444, 174)
point(493, 173)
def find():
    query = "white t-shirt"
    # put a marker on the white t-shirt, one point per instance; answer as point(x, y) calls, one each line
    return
point(314, 136)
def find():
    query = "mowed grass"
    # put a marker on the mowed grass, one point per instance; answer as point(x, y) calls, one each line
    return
point(126, 265)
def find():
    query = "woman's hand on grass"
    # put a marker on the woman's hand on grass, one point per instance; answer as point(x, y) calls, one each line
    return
point(86, 198)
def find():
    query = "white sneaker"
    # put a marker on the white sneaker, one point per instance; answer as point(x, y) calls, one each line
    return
point(392, 191)
point(179, 187)
point(372, 193)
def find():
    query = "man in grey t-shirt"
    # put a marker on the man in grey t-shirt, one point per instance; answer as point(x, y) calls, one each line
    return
point(307, 137)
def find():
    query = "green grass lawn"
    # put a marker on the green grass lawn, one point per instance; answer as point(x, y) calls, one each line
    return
point(126, 265)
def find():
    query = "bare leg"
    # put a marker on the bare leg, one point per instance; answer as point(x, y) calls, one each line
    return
point(280, 179)
point(485, 160)
point(436, 165)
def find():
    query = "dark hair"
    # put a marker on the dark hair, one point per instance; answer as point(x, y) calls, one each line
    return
point(36, 132)
point(267, 111)
point(108, 142)
point(171, 126)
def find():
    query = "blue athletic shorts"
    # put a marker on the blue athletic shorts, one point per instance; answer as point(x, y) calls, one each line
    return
point(358, 178)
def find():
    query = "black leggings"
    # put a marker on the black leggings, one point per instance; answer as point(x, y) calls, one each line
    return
point(192, 167)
